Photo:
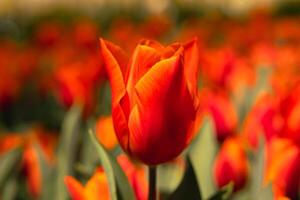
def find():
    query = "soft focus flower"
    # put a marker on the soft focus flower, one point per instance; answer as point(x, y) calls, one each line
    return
point(263, 120)
point(76, 83)
point(9, 142)
point(32, 171)
point(105, 132)
point(231, 164)
point(222, 111)
point(282, 167)
point(136, 176)
point(28, 142)
point(97, 186)
point(154, 99)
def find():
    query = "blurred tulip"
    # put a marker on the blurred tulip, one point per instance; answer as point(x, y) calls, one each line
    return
point(231, 164)
point(222, 111)
point(32, 171)
point(154, 100)
point(49, 34)
point(292, 126)
point(136, 176)
point(10, 141)
point(85, 34)
point(96, 188)
point(282, 167)
point(263, 120)
point(105, 132)
point(76, 83)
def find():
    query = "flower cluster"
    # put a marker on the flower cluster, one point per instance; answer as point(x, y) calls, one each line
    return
point(166, 79)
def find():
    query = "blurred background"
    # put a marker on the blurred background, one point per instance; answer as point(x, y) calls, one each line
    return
point(53, 87)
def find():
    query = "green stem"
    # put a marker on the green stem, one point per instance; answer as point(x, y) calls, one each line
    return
point(152, 183)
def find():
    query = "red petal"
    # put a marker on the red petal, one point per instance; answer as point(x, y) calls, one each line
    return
point(160, 124)
point(143, 59)
point(114, 60)
point(121, 126)
point(191, 64)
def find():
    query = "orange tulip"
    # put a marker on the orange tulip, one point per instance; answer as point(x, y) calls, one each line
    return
point(154, 99)
point(231, 164)
point(282, 167)
point(96, 188)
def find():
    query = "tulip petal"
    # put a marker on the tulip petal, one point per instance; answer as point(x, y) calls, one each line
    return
point(97, 187)
point(120, 126)
point(114, 60)
point(155, 119)
point(143, 59)
point(191, 63)
point(153, 44)
point(158, 79)
point(75, 188)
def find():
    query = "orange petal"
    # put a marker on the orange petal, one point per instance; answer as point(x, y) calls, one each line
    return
point(152, 43)
point(143, 59)
point(120, 126)
point(160, 121)
point(105, 132)
point(75, 188)
point(114, 60)
point(97, 187)
point(33, 171)
point(158, 80)
point(191, 64)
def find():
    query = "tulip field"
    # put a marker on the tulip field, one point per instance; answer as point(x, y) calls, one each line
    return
point(126, 105)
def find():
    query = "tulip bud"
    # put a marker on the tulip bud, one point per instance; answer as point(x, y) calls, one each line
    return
point(231, 164)
point(154, 100)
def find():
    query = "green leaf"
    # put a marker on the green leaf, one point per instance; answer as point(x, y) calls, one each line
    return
point(257, 190)
point(224, 193)
point(257, 169)
point(67, 147)
point(46, 173)
point(202, 155)
point(188, 188)
point(115, 175)
point(88, 158)
point(170, 176)
point(8, 163)
point(10, 188)
point(266, 193)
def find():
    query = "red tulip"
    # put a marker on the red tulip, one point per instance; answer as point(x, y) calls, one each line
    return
point(222, 111)
point(282, 167)
point(154, 99)
point(231, 164)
